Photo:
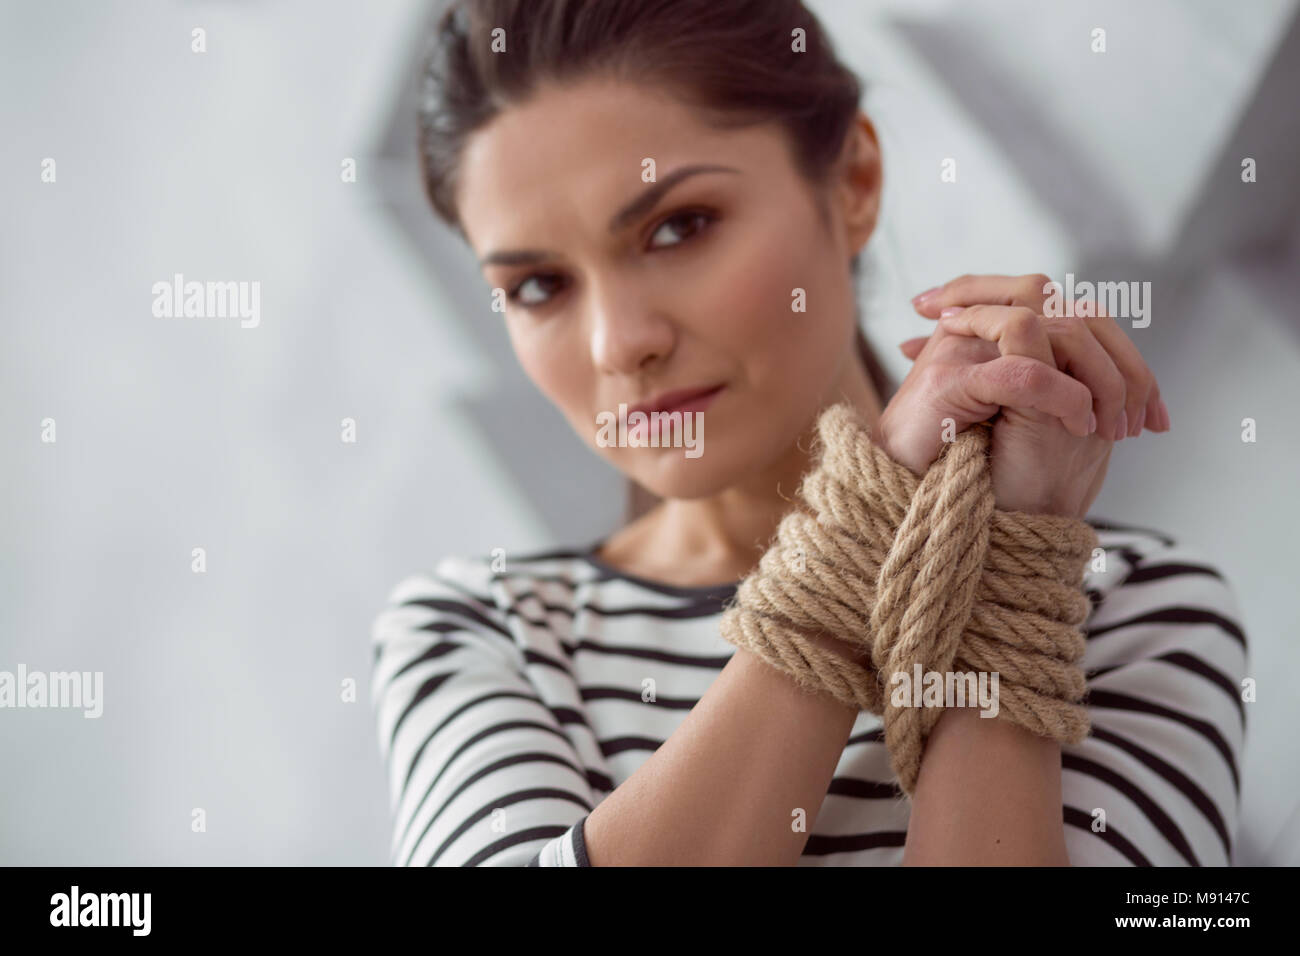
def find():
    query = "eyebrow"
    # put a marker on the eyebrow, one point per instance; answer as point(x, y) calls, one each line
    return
point(638, 207)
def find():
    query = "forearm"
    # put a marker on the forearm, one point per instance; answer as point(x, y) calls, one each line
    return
point(724, 788)
point(988, 794)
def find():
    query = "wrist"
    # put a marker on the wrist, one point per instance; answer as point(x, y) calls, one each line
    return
point(882, 437)
point(967, 727)
point(1037, 501)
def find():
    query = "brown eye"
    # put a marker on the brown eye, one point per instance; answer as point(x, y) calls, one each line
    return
point(547, 284)
point(680, 227)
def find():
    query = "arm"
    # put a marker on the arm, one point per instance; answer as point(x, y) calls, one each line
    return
point(989, 794)
point(722, 790)
point(482, 773)
point(1167, 662)
point(1157, 780)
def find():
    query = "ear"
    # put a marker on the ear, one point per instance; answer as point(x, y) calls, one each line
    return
point(859, 182)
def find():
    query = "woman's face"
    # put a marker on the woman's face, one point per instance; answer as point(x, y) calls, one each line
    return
point(620, 290)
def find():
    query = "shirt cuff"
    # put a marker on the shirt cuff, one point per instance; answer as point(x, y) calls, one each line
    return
point(568, 849)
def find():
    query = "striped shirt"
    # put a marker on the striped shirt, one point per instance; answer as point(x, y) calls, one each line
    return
point(510, 702)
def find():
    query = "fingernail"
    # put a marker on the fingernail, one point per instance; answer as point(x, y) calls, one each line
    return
point(918, 299)
point(1141, 420)
point(1164, 413)
point(1092, 422)
point(951, 310)
point(1122, 428)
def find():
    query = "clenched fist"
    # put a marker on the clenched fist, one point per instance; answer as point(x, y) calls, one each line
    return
point(1063, 391)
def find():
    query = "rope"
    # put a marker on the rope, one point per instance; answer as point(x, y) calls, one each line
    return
point(920, 571)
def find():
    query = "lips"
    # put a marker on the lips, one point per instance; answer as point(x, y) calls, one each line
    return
point(686, 399)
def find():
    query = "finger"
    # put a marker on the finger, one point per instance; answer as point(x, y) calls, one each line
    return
point(1157, 411)
point(1079, 354)
point(951, 347)
point(1142, 403)
point(1017, 381)
point(912, 347)
point(1028, 291)
point(1015, 330)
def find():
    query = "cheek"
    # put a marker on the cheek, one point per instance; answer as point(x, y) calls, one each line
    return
point(553, 368)
point(560, 370)
point(781, 349)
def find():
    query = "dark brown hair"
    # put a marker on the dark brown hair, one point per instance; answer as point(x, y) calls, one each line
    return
point(737, 60)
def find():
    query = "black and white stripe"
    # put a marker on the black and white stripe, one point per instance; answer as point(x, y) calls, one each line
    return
point(509, 705)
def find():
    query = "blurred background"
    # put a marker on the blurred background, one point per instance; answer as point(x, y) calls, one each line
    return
point(226, 690)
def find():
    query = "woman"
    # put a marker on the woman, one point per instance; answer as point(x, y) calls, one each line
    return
point(651, 188)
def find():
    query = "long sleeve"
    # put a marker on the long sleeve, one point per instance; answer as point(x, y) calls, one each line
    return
point(1157, 782)
point(480, 770)
point(567, 850)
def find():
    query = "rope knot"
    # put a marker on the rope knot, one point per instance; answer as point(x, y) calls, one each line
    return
point(929, 578)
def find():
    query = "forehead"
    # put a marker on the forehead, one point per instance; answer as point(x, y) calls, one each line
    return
point(572, 152)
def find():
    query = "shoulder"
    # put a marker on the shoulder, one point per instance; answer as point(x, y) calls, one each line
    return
point(1165, 639)
point(480, 576)
point(1167, 667)
point(1165, 635)
point(482, 591)
point(455, 586)
point(1150, 575)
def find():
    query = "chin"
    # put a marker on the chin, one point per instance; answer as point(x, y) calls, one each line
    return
point(676, 476)
point(685, 478)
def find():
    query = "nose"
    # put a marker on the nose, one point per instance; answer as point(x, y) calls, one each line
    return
point(628, 333)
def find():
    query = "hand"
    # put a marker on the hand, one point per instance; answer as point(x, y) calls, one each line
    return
point(994, 341)
point(965, 379)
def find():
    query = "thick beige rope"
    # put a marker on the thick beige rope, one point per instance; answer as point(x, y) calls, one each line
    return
point(920, 571)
